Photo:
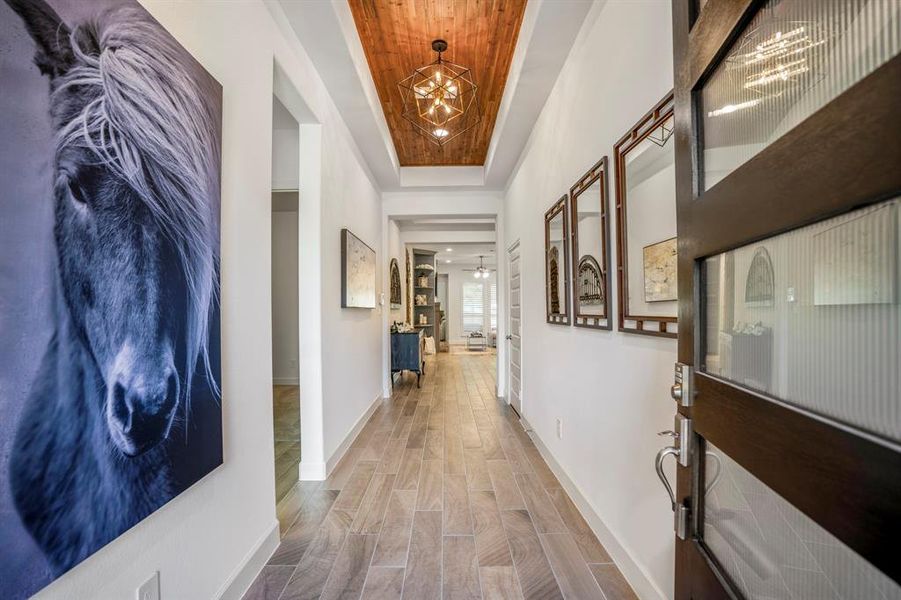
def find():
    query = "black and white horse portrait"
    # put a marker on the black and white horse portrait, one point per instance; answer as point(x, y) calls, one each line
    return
point(109, 293)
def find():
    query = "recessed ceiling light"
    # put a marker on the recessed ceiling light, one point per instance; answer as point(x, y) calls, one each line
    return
point(447, 261)
point(448, 249)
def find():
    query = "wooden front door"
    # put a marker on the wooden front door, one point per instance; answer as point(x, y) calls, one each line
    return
point(788, 160)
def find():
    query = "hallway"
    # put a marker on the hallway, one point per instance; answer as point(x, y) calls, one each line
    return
point(442, 495)
point(286, 430)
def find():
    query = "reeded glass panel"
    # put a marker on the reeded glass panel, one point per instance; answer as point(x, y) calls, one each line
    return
point(772, 550)
point(812, 316)
point(794, 57)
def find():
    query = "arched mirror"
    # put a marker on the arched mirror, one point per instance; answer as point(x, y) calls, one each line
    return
point(590, 248)
point(394, 275)
point(556, 252)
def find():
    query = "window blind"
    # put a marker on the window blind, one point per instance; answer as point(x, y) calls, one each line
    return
point(473, 306)
point(493, 304)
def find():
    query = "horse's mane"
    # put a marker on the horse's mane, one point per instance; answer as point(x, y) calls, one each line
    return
point(150, 119)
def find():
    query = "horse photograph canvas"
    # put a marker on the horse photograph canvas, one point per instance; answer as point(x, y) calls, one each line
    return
point(110, 402)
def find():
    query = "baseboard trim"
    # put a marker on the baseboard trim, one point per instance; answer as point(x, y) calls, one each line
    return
point(342, 449)
point(285, 381)
point(239, 581)
point(634, 573)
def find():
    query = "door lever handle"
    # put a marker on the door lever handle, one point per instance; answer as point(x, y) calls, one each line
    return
point(658, 465)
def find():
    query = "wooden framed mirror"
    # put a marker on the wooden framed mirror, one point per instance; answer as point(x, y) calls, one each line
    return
point(646, 257)
point(556, 263)
point(590, 249)
point(394, 284)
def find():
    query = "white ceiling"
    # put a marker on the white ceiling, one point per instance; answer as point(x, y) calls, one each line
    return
point(462, 254)
point(327, 32)
point(451, 224)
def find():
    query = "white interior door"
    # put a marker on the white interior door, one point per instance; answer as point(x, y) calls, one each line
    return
point(514, 354)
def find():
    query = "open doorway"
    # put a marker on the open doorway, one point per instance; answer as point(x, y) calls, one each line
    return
point(285, 300)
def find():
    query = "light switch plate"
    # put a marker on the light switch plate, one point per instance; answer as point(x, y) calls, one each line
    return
point(150, 589)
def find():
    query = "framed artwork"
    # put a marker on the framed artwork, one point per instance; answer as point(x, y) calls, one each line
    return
point(556, 252)
point(394, 282)
point(357, 272)
point(659, 261)
point(855, 262)
point(109, 245)
point(590, 242)
point(644, 162)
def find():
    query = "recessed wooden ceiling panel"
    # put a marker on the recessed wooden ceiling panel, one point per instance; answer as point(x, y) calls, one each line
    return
point(397, 37)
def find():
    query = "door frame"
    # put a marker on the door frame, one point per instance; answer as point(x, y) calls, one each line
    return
point(841, 477)
point(514, 247)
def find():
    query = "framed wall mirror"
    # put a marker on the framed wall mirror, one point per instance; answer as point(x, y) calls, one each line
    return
point(590, 249)
point(394, 284)
point(556, 263)
point(646, 242)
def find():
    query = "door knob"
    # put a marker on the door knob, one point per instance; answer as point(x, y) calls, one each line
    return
point(675, 391)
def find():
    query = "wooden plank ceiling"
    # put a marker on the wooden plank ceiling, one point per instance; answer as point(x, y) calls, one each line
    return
point(397, 37)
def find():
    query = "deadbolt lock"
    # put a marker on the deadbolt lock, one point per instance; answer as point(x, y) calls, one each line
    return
point(681, 389)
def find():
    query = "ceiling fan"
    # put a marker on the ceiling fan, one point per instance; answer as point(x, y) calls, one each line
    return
point(481, 272)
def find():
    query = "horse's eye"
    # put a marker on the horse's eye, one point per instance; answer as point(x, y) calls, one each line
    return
point(77, 192)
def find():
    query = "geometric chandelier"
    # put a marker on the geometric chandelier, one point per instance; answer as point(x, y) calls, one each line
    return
point(440, 99)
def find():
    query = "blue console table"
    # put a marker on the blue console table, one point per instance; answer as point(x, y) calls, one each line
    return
point(407, 354)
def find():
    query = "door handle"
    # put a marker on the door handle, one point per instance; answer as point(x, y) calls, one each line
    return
point(658, 466)
point(509, 337)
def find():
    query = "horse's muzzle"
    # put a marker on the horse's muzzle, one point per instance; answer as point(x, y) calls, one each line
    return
point(141, 406)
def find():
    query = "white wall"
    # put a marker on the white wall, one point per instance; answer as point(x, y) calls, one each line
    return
point(199, 541)
point(285, 158)
point(610, 389)
point(285, 312)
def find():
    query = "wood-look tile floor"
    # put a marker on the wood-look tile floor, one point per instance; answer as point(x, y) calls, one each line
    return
point(286, 426)
point(442, 495)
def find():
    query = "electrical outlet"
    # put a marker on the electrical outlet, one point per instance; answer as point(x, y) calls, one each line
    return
point(559, 428)
point(150, 589)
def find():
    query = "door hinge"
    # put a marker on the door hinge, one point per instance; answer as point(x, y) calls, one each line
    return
point(682, 518)
point(681, 390)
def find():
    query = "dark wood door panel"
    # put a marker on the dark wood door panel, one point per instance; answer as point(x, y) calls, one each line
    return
point(843, 479)
point(712, 31)
point(842, 157)
point(708, 583)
